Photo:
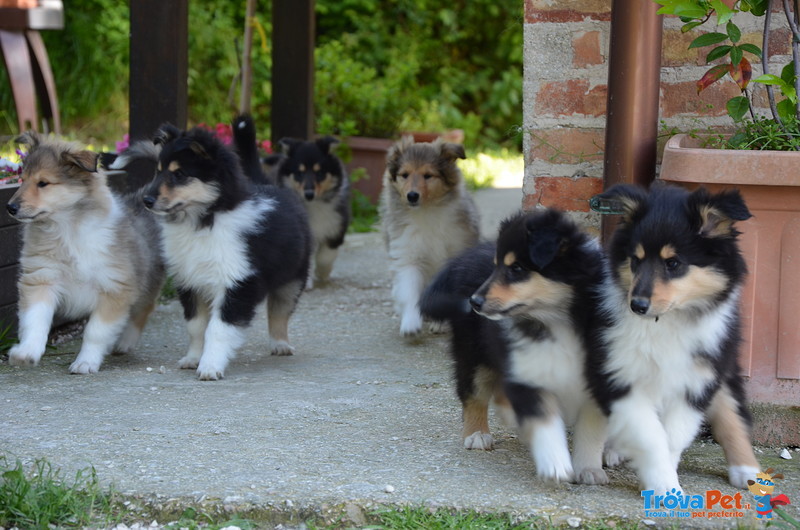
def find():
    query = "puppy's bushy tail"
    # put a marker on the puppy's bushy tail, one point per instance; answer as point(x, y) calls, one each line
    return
point(447, 296)
point(244, 139)
point(143, 150)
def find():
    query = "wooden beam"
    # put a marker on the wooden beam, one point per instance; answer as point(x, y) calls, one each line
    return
point(292, 69)
point(159, 66)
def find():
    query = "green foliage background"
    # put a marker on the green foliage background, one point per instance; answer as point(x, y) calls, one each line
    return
point(381, 66)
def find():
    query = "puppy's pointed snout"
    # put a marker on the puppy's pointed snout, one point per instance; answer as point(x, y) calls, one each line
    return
point(12, 208)
point(412, 197)
point(149, 201)
point(640, 305)
point(477, 301)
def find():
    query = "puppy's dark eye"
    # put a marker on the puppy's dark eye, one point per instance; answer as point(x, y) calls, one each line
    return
point(671, 264)
point(404, 175)
point(42, 183)
point(516, 267)
point(427, 176)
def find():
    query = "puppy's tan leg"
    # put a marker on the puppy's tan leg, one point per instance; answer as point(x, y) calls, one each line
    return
point(196, 325)
point(102, 331)
point(133, 331)
point(732, 432)
point(476, 394)
point(37, 305)
point(280, 306)
point(588, 442)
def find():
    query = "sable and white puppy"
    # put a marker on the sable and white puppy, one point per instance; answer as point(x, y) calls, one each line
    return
point(534, 299)
point(86, 251)
point(668, 356)
point(229, 244)
point(317, 175)
point(427, 217)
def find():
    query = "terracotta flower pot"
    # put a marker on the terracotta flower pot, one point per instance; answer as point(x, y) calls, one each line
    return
point(770, 184)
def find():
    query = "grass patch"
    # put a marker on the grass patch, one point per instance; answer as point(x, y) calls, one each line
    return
point(7, 340)
point(41, 497)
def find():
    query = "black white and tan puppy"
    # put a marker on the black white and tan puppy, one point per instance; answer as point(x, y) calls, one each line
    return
point(228, 243)
point(534, 298)
point(318, 176)
point(427, 217)
point(86, 251)
point(668, 354)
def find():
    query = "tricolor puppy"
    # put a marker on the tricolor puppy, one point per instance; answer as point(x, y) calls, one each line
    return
point(318, 176)
point(667, 357)
point(229, 244)
point(86, 251)
point(534, 298)
point(427, 217)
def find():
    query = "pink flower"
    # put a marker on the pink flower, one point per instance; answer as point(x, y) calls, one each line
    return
point(266, 145)
point(124, 143)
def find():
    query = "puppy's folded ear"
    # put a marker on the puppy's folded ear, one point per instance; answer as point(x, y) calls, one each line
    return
point(544, 244)
point(452, 151)
point(396, 153)
point(165, 134)
point(715, 214)
point(82, 160)
point(622, 199)
point(326, 144)
point(29, 138)
point(288, 145)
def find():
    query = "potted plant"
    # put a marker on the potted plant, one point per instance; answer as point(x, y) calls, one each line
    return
point(760, 159)
point(10, 240)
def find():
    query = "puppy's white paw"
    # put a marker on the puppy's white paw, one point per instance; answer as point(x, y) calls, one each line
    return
point(19, 356)
point(210, 370)
point(479, 440)
point(410, 324)
point(591, 476)
point(739, 475)
point(437, 327)
point(188, 362)
point(612, 458)
point(282, 348)
point(554, 471)
point(84, 366)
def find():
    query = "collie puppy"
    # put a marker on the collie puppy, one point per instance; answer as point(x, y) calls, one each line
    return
point(519, 311)
point(427, 217)
point(667, 356)
point(229, 244)
point(86, 252)
point(317, 175)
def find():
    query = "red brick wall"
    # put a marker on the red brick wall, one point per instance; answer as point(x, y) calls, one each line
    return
point(565, 90)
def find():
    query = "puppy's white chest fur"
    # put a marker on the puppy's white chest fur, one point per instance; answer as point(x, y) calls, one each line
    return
point(554, 362)
point(213, 259)
point(325, 221)
point(666, 358)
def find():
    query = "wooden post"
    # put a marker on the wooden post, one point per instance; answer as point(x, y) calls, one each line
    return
point(159, 64)
point(293, 69)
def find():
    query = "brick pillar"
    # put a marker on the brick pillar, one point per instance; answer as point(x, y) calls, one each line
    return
point(566, 50)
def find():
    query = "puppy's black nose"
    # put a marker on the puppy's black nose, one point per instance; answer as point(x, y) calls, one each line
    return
point(413, 197)
point(12, 208)
point(640, 305)
point(476, 301)
point(149, 200)
point(309, 194)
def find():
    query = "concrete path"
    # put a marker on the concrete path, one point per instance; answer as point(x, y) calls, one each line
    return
point(357, 417)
